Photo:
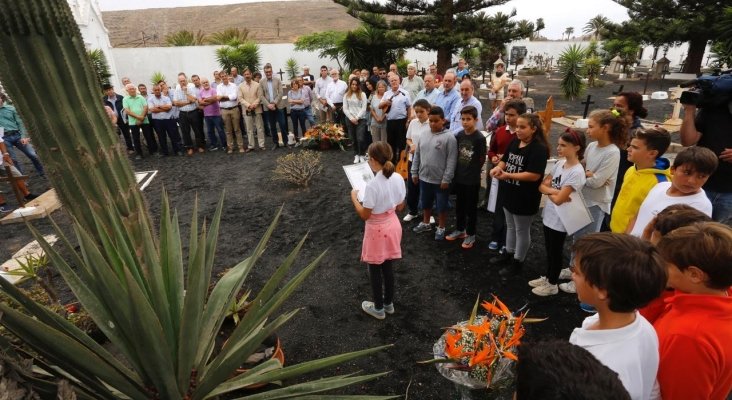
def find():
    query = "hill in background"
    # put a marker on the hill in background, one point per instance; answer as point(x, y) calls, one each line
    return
point(272, 22)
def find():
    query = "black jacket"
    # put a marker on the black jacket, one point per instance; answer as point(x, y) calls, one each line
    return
point(117, 106)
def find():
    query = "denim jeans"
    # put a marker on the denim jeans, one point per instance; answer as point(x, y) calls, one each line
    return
point(309, 115)
point(13, 140)
point(214, 124)
point(272, 118)
point(721, 206)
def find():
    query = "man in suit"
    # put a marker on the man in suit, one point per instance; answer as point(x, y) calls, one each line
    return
point(274, 108)
point(114, 101)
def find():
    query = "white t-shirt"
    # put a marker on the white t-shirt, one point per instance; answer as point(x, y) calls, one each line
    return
point(573, 176)
point(383, 194)
point(415, 130)
point(657, 200)
point(603, 162)
point(631, 351)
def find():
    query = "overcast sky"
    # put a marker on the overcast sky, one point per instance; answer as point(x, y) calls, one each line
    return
point(558, 14)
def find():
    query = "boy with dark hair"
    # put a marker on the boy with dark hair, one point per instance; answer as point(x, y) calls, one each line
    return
point(617, 274)
point(649, 168)
point(692, 167)
point(695, 329)
point(433, 168)
point(558, 370)
point(471, 150)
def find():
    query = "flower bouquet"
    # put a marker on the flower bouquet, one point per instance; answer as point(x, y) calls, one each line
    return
point(324, 136)
point(480, 353)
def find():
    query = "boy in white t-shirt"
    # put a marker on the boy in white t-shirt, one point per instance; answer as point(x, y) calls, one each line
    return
point(617, 274)
point(690, 171)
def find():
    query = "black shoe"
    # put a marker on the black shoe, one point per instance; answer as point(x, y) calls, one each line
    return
point(501, 258)
point(513, 269)
point(30, 197)
point(274, 147)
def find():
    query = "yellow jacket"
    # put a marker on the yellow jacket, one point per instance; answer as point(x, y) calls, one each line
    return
point(636, 185)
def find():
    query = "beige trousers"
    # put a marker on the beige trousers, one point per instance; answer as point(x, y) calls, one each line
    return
point(231, 126)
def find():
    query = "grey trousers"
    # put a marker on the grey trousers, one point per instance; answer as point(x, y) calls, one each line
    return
point(518, 234)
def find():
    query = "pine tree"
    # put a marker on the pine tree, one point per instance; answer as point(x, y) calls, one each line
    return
point(445, 26)
point(660, 22)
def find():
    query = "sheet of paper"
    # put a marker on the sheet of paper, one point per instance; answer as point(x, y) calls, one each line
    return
point(574, 214)
point(493, 195)
point(2, 132)
point(359, 175)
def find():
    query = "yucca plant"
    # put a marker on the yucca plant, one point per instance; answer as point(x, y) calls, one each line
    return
point(101, 67)
point(156, 77)
point(292, 68)
point(241, 55)
point(153, 307)
point(571, 67)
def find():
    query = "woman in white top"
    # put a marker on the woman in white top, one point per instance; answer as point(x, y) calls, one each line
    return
point(354, 108)
point(383, 198)
point(378, 118)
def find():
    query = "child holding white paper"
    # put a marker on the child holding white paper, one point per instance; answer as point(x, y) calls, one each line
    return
point(567, 176)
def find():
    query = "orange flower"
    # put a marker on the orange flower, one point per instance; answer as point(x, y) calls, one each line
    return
point(452, 350)
point(480, 356)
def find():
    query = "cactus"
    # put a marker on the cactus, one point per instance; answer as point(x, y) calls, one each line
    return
point(70, 129)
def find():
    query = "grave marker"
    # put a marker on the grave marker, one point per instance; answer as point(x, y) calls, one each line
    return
point(587, 106)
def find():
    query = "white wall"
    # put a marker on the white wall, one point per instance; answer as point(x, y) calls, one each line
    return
point(139, 63)
point(555, 48)
point(88, 16)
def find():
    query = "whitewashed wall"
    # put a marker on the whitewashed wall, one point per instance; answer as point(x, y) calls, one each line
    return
point(555, 48)
point(139, 63)
point(88, 16)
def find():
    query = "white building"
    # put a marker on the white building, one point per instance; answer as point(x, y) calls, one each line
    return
point(88, 16)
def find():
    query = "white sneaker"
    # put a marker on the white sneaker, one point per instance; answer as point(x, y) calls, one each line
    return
point(565, 274)
point(410, 217)
point(546, 290)
point(540, 281)
point(568, 287)
point(356, 159)
point(432, 220)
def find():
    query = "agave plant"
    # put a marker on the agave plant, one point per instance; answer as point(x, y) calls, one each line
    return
point(228, 35)
point(185, 38)
point(130, 279)
point(571, 67)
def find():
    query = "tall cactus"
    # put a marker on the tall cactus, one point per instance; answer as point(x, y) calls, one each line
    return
point(45, 69)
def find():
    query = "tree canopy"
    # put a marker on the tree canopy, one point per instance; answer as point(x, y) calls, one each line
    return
point(445, 26)
point(659, 22)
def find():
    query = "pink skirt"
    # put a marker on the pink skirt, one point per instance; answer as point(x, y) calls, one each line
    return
point(382, 238)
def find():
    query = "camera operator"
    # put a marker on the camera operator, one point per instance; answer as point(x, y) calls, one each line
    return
point(711, 127)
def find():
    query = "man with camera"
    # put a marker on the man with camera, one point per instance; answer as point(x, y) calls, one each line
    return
point(711, 127)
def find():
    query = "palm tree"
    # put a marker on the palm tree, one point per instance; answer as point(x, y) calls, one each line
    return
point(569, 31)
point(539, 27)
point(596, 26)
point(185, 38)
point(228, 35)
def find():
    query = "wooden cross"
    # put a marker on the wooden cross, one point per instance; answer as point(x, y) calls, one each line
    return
point(587, 105)
point(13, 180)
point(280, 74)
point(620, 90)
point(547, 115)
point(527, 88)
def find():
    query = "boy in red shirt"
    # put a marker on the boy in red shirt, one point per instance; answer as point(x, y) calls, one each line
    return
point(695, 329)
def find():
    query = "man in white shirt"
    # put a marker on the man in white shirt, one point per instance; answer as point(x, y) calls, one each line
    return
point(161, 110)
point(227, 92)
point(398, 106)
point(334, 95)
point(185, 98)
point(321, 87)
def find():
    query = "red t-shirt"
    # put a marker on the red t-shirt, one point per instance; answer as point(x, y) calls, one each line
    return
point(695, 347)
point(500, 140)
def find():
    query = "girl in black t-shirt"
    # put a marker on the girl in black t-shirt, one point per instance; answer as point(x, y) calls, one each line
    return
point(520, 173)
